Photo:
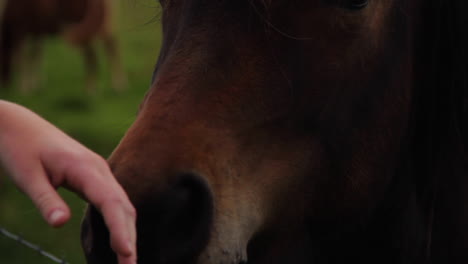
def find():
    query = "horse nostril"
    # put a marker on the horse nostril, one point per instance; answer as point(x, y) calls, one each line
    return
point(173, 226)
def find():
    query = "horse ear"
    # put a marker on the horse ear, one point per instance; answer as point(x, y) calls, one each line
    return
point(440, 128)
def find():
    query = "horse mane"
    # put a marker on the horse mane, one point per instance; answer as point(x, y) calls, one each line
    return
point(440, 114)
point(440, 126)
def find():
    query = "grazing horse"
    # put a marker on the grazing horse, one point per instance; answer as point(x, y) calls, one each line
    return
point(303, 131)
point(25, 23)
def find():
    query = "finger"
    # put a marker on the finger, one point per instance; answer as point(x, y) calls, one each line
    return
point(101, 189)
point(44, 196)
point(117, 220)
point(119, 217)
point(127, 260)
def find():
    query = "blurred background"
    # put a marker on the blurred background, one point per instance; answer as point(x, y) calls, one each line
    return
point(98, 120)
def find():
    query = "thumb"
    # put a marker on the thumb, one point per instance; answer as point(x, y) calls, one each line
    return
point(52, 207)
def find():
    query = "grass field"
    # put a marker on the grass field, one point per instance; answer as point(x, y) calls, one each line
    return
point(98, 121)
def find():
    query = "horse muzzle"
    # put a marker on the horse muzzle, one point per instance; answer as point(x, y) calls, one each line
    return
point(172, 227)
point(176, 226)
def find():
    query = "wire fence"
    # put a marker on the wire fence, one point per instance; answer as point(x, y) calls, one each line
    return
point(18, 239)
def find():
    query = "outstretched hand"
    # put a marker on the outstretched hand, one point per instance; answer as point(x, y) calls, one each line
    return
point(40, 158)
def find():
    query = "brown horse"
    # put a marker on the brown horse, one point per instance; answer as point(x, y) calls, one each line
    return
point(25, 23)
point(303, 131)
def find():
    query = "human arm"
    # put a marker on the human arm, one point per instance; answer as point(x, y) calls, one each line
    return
point(40, 158)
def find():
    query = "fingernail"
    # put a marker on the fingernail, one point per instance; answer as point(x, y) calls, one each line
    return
point(56, 216)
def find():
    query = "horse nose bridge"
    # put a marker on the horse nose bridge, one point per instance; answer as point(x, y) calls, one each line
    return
point(154, 155)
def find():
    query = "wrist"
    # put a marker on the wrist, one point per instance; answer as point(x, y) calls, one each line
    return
point(13, 118)
point(5, 113)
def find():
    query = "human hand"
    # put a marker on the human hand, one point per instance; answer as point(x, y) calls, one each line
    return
point(40, 158)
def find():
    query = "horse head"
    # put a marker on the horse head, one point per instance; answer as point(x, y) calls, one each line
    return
point(297, 132)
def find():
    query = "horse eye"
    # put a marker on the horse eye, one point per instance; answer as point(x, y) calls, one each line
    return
point(355, 4)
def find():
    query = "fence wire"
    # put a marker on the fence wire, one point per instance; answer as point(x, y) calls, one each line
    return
point(32, 246)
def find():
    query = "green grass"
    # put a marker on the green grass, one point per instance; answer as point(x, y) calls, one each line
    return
point(98, 121)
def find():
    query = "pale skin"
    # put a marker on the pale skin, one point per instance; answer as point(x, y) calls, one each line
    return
point(39, 158)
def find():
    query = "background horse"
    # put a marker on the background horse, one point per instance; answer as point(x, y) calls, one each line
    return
point(298, 132)
point(25, 23)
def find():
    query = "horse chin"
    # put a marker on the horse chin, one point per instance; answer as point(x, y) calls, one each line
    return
point(228, 245)
point(220, 254)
